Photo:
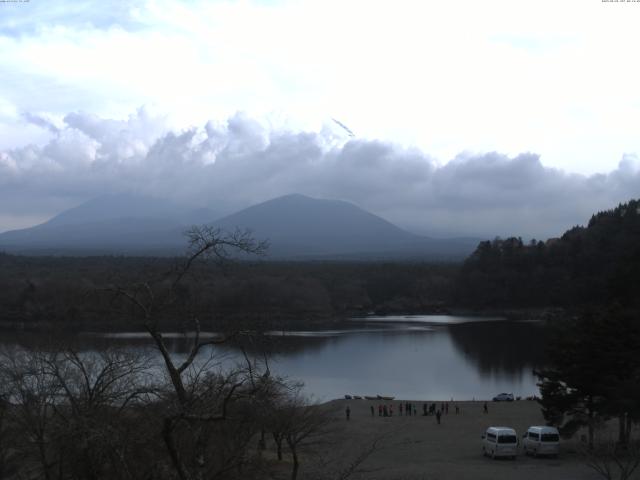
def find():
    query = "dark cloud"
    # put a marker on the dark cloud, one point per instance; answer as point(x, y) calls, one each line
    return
point(240, 162)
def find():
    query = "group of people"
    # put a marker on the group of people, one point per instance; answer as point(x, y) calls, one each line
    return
point(410, 409)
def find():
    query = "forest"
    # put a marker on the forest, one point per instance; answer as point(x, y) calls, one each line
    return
point(63, 293)
point(587, 266)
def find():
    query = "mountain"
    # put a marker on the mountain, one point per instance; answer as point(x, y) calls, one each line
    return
point(123, 224)
point(296, 226)
point(115, 207)
point(303, 227)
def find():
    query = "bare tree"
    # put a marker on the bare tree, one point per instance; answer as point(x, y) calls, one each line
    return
point(199, 397)
point(94, 391)
point(33, 396)
point(612, 460)
point(68, 412)
point(304, 426)
point(8, 464)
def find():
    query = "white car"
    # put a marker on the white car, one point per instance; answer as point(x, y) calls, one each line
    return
point(500, 442)
point(503, 397)
point(540, 440)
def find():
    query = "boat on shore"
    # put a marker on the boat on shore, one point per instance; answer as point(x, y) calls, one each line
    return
point(377, 397)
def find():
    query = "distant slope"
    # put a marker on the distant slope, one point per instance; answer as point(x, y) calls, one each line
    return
point(297, 227)
point(129, 224)
point(120, 236)
point(113, 207)
point(300, 226)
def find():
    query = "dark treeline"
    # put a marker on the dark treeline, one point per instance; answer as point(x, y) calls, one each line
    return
point(587, 266)
point(60, 292)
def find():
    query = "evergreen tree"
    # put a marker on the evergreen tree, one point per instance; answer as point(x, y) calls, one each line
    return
point(593, 372)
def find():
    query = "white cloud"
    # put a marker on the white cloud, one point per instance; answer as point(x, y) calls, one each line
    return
point(233, 164)
point(546, 76)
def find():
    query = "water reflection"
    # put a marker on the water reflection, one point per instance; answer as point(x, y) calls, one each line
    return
point(494, 347)
point(423, 357)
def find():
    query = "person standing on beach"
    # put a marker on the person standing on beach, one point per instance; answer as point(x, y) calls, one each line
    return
point(485, 408)
point(348, 412)
point(438, 415)
point(457, 409)
point(446, 408)
point(372, 411)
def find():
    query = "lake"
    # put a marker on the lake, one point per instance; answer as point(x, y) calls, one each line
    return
point(417, 357)
point(435, 357)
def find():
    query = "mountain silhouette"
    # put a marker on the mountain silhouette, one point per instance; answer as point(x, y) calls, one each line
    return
point(296, 226)
point(121, 224)
point(300, 226)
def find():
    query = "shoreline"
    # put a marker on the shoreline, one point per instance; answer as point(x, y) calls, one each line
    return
point(417, 447)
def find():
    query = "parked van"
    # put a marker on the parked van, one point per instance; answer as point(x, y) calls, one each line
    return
point(541, 441)
point(500, 442)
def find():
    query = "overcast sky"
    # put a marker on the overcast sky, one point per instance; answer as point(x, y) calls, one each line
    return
point(470, 117)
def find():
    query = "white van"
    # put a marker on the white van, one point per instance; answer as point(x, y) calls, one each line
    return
point(541, 441)
point(500, 442)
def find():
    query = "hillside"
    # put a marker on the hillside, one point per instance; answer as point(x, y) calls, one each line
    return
point(303, 227)
point(121, 224)
point(596, 264)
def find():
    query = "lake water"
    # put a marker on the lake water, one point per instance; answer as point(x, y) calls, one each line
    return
point(435, 357)
point(419, 357)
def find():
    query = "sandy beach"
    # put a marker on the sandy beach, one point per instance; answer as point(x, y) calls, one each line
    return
point(416, 447)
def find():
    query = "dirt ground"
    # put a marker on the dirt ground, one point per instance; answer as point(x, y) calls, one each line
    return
point(416, 447)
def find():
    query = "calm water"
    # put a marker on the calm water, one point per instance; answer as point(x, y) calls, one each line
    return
point(426, 357)
point(417, 357)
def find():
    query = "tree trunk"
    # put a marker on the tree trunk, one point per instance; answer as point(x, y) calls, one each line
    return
point(167, 435)
point(622, 430)
point(43, 458)
point(296, 463)
point(278, 439)
point(590, 423)
point(174, 374)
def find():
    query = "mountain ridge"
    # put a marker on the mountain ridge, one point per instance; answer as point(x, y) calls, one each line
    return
point(297, 227)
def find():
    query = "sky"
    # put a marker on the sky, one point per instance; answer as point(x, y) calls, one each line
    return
point(462, 118)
